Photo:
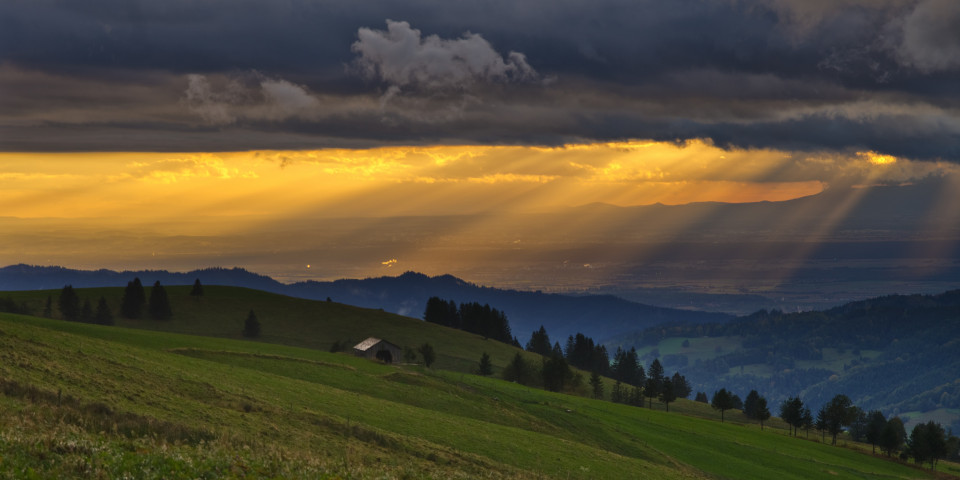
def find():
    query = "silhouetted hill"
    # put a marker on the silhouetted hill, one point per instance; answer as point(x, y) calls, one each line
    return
point(30, 277)
point(597, 316)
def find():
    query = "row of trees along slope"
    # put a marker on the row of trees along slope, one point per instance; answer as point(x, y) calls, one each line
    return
point(134, 302)
point(554, 372)
point(632, 384)
point(470, 317)
point(927, 443)
point(132, 306)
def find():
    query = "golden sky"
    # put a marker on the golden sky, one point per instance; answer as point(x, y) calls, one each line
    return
point(402, 181)
point(271, 211)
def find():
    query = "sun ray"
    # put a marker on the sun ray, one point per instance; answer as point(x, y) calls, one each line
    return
point(429, 207)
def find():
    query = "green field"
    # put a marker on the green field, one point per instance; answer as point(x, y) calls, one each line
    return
point(104, 402)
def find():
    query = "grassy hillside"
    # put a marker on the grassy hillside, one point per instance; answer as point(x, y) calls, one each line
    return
point(292, 321)
point(101, 402)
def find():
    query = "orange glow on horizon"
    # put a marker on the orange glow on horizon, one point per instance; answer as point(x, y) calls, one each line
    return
point(309, 207)
point(400, 181)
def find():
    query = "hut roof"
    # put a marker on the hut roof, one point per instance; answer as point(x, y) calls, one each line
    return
point(368, 343)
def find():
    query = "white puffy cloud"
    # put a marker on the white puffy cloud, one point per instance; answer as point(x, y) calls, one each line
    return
point(401, 57)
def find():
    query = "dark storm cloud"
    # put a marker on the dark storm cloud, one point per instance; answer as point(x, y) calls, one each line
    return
point(798, 74)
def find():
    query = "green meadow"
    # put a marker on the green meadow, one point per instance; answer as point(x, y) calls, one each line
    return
point(189, 398)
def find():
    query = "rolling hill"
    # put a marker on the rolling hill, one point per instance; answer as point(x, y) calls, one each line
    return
point(597, 316)
point(221, 311)
point(108, 401)
point(899, 354)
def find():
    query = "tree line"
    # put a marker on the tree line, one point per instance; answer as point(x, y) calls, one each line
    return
point(633, 385)
point(470, 317)
point(927, 443)
point(133, 305)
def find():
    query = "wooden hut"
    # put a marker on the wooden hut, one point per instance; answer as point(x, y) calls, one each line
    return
point(375, 348)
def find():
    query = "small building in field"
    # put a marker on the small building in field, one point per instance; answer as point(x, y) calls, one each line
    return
point(375, 348)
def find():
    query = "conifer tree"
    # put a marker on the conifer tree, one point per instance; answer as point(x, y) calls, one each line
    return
point(48, 309)
point(600, 360)
point(517, 370)
point(750, 404)
point(497, 326)
point(596, 384)
point(655, 373)
point(680, 385)
point(556, 372)
point(557, 350)
point(453, 315)
point(197, 290)
point(486, 367)
point(627, 368)
point(650, 390)
point(539, 342)
point(86, 313)
point(134, 300)
point(159, 306)
point(103, 316)
point(69, 304)
point(251, 327)
point(437, 311)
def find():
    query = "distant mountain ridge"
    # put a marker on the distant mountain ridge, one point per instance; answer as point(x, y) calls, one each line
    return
point(597, 316)
point(31, 277)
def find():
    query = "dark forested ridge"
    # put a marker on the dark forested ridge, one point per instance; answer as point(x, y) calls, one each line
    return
point(598, 316)
point(898, 353)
